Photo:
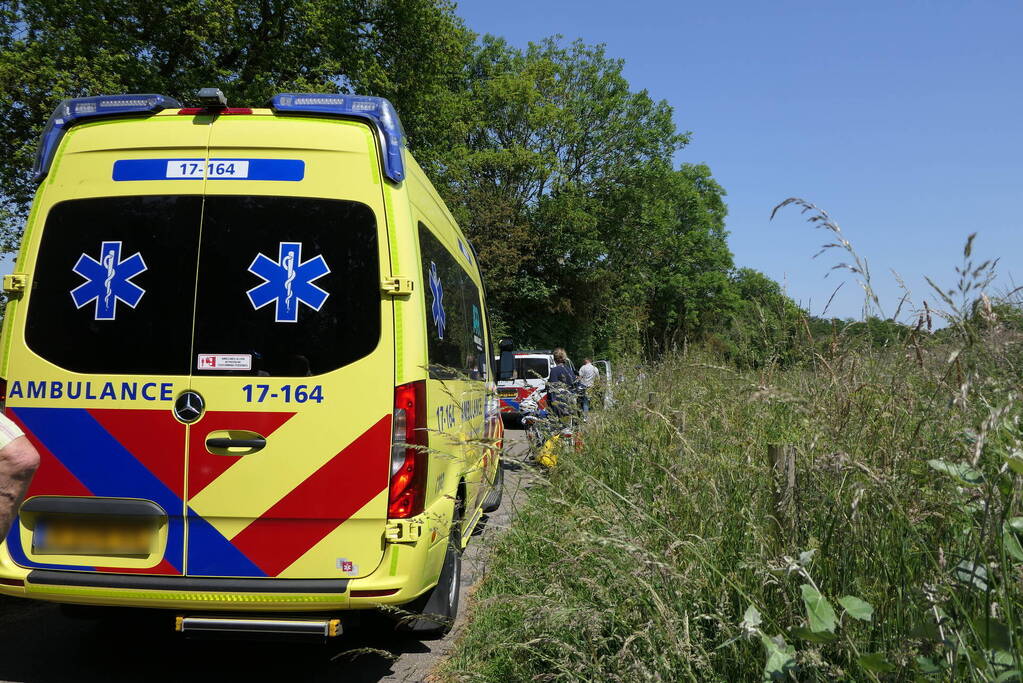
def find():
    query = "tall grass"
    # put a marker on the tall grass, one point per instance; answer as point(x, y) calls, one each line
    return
point(655, 553)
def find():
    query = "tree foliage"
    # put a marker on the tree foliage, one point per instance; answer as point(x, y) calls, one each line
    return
point(562, 175)
point(564, 178)
point(410, 51)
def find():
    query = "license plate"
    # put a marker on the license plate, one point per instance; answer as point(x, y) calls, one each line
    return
point(77, 536)
point(507, 393)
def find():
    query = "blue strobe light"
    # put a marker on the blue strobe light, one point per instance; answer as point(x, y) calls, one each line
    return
point(377, 110)
point(71, 111)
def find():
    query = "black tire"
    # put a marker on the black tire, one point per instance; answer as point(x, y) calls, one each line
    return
point(439, 606)
point(493, 499)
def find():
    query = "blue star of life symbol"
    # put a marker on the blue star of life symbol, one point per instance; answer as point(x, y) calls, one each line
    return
point(439, 318)
point(288, 281)
point(108, 280)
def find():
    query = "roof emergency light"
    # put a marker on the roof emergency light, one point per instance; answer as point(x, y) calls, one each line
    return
point(377, 110)
point(74, 110)
point(213, 98)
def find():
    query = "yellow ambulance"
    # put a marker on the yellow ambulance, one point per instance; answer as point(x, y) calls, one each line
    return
point(251, 347)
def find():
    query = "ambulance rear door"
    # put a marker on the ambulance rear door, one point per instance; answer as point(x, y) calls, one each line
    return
point(293, 354)
point(100, 346)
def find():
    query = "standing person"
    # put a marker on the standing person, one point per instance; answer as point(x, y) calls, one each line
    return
point(588, 374)
point(559, 385)
point(18, 462)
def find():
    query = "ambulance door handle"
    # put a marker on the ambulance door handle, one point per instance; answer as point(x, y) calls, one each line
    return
point(254, 444)
point(230, 446)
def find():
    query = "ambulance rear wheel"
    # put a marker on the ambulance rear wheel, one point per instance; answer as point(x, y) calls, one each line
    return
point(439, 606)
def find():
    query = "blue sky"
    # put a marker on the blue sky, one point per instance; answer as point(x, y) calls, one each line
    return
point(903, 119)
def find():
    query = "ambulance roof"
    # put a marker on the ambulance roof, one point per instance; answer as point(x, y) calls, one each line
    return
point(378, 111)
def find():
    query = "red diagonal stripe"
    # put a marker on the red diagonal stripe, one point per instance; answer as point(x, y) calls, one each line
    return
point(319, 504)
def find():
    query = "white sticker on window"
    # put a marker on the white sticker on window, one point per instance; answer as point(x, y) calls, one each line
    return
point(224, 361)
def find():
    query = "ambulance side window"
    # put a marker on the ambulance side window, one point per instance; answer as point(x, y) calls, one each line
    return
point(112, 287)
point(454, 316)
point(476, 358)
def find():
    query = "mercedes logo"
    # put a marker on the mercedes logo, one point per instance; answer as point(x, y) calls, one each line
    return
point(189, 407)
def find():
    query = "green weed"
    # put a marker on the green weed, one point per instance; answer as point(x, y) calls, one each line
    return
point(656, 553)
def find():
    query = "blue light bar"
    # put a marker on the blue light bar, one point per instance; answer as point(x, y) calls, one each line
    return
point(72, 111)
point(377, 110)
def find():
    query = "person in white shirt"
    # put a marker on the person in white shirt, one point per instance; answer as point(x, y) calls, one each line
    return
point(588, 374)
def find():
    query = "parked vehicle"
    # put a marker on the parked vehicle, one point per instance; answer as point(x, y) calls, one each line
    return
point(532, 369)
point(252, 347)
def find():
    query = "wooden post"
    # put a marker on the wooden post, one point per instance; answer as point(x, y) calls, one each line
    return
point(782, 458)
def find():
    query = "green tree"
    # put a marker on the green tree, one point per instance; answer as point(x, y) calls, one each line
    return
point(589, 237)
point(411, 51)
point(558, 170)
point(766, 324)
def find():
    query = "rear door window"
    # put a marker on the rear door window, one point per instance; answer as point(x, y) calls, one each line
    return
point(113, 287)
point(292, 282)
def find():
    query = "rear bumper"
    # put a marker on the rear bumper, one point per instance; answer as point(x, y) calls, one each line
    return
point(45, 577)
point(406, 571)
point(135, 590)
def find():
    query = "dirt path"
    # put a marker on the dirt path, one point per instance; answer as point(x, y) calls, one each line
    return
point(39, 644)
point(414, 665)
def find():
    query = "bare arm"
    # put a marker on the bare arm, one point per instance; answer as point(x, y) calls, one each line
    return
point(18, 462)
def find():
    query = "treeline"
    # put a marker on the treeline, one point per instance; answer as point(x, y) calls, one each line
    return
point(561, 174)
point(768, 329)
point(559, 171)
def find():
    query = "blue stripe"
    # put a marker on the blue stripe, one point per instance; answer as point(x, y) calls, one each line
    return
point(274, 169)
point(259, 169)
point(210, 554)
point(104, 466)
point(145, 169)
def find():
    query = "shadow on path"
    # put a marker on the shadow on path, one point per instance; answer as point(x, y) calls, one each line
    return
point(39, 644)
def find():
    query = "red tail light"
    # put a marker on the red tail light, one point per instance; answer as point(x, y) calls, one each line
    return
point(3, 395)
point(374, 593)
point(409, 459)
